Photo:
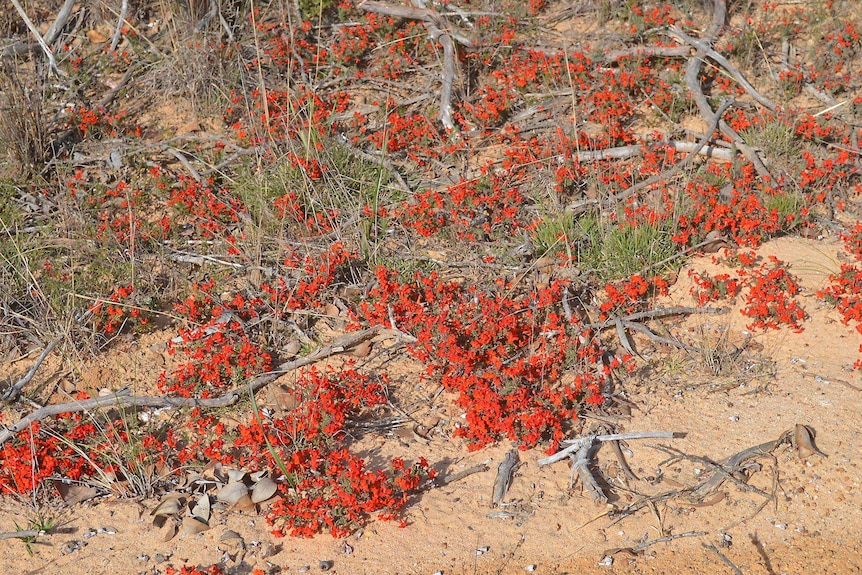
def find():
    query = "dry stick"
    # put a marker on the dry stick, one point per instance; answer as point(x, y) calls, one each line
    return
point(45, 48)
point(589, 440)
point(124, 7)
point(654, 313)
point(721, 473)
point(581, 466)
point(648, 52)
point(667, 174)
point(185, 162)
point(123, 399)
point(691, 78)
point(21, 534)
point(444, 481)
point(705, 49)
point(59, 22)
point(623, 152)
point(621, 459)
point(380, 160)
point(667, 538)
point(505, 473)
point(733, 463)
point(723, 557)
point(657, 338)
point(13, 392)
point(434, 25)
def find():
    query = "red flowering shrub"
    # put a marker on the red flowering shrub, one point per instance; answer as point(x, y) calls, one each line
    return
point(504, 355)
point(769, 300)
point(845, 288)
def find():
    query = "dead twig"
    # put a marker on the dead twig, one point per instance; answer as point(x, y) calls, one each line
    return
point(14, 391)
point(124, 8)
point(505, 472)
point(653, 314)
point(723, 558)
point(21, 534)
point(638, 548)
point(705, 49)
point(576, 444)
point(677, 168)
point(452, 478)
point(439, 32)
point(624, 152)
point(42, 43)
point(581, 467)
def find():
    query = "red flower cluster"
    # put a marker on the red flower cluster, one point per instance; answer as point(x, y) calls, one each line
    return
point(845, 288)
point(503, 354)
point(109, 317)
point(708, 289)
point(324, 484)
point(769, 300)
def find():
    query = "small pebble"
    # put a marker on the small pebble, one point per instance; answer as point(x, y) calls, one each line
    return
point(482, 550)
point(72, 546)
point(530, 568)
point(606, 562)
point(304, 569)
point(326, 565)
point(143, 557)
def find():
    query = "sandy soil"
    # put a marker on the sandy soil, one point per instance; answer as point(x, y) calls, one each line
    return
point(812, 525)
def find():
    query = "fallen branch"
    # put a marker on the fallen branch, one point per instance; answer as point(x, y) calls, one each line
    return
point(435, 25)
point(653, 314)
point(638, 548)
point(692, 73)
point(124, 8)
point(505, 472)
point(581, 466)
point(42, 43)
point(14, 391)
point(576, 444)
point(668, 174)
point(123, 399)
point(723, 558)
point(452, 478)
point(579, 451)
point(624, 152)
point(21, 534)
point(705, 49)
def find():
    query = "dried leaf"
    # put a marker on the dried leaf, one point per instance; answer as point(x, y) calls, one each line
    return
point(803, 441)
point(237, 475)
point(244, 503)
point(362, 349)
point(218, 473)
point(202, 509)
point(170, 505)
point(263, 490)
point(74, 493)
point(171, 532)
point(292, 349)
point(624, 338)
point(232, 492)
point(193, 526)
